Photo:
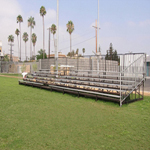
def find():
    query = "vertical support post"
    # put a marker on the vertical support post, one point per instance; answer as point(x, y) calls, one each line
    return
point(77, 63)
point(97, 64)
point(98, 27)
point(40, 64)
point(135, 94)
point(56, 56)
point(96, 35)
point(123, 61)
point(145, 68)
point(135, 73)
point(105, 65)
point(139, 91)
point(143, 91)
point(49, 48)
point(66, 68)
point(91, 66)
point(120, 91)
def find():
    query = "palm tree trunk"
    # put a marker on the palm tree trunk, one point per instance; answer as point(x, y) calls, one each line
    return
point(43, 40)
point(70, 44)
point(54, 44)
point(30, 42)
point(34, 50)
point(20, 40)
point(18, 47)
point(26, 51)
point(49, 43)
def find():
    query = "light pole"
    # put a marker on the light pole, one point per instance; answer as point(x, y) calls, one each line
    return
point(96, 34)
point(49, 42)
point(98, 28)
point(56, 53)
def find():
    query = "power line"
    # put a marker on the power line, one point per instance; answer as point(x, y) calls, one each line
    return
point(78, 43)
point(76, 37)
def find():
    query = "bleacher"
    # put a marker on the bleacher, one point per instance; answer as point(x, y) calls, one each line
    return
point(94, 77)
point(107, 87)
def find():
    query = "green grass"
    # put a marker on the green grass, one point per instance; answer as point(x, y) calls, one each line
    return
point(35, 119)
point(11, 74)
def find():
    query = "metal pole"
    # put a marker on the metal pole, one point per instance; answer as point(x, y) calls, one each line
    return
point(49, 42)
point(56, 56)
point(120, 91)
point(96, 36)
point(98, 28)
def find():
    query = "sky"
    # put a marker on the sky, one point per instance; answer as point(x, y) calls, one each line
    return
point(124, 23)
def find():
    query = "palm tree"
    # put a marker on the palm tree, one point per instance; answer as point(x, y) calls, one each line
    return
point(25, 38)
point(70, 29)
point(77, 51)
point(19, 20)
point(31, 24)
point(11, 40)
point(34, 39)
point(83, 50)
point(53, 31)
point(17, 33)
point(43, 13)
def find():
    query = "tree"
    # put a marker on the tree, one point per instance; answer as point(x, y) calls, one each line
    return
point(43, 13)
point(11, 40)
point(17, 33)
point(83, 50)
point(111, 54)
point(77, 51)
point(25, 39)
point(71, 54)
point(34, 39)
point(31, 24)
point(6, 58)
point(19, 20)
point(53, 31)
point(70, 29)
point(40, 54)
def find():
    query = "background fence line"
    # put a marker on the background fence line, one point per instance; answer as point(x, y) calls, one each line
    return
point(89, 63)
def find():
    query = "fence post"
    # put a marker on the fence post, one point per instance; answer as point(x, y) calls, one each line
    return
point(66, 65)
point(77, 64)
point(40, 64)
point(0, 67)
point(120, 91)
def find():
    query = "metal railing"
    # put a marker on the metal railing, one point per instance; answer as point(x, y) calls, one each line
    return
point(136, 69)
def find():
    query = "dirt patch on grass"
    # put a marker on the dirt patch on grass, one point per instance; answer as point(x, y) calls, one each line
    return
point(10, 76)
point(147, 93)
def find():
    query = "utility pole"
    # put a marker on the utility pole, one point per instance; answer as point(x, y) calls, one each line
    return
point(49, 42)
point(98, 27)
point(96, 33)
point(56, 50)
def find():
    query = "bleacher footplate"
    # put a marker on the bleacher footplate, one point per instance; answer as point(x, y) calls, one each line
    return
point(99, 86)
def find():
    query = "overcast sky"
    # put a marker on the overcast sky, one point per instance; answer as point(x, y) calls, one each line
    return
point(124, 23)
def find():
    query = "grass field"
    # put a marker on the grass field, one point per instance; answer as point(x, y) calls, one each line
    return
point(35, 119)
point(12, 74)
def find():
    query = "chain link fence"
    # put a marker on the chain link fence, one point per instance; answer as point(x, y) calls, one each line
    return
point(18, 67)
point(84, 64)
point(97, 63)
